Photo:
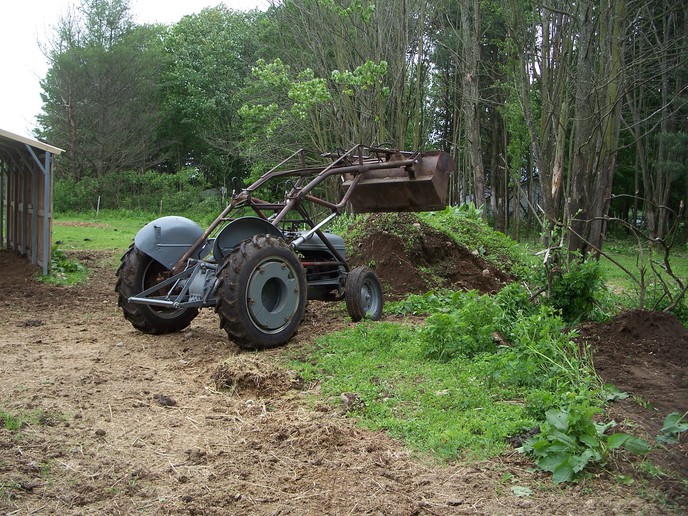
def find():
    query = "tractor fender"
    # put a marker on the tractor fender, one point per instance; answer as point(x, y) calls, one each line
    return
point(167, 239)
point(239, 230)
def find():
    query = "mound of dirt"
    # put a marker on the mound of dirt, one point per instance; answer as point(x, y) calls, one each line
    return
point(411, 257)
point(644, 354)
point(252, 374)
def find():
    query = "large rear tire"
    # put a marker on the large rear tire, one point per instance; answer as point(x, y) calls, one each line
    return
point(138, 272)
point(262, 293)
point(364, 298)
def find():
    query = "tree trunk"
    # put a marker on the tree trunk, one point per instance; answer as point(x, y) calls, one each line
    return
point(470, 21)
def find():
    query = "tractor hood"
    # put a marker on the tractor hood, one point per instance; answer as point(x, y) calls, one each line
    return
point(167, 239)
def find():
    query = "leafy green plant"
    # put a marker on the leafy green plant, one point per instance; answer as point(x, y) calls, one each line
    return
point(442, 301)
point(64, 270)
point(15, 422)
point(542, 342)
point(470, 211)
point(515, 303)
point(61, 263)
point(466, 331)
point(574, 291)
point(569, 440)
point(672, 428)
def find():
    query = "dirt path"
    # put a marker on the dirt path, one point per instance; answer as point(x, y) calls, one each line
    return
point(130, 423)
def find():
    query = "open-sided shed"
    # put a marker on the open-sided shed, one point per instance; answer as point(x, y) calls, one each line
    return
point(26, 196)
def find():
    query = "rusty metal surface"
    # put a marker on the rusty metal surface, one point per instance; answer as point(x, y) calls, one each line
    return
point(422, 187)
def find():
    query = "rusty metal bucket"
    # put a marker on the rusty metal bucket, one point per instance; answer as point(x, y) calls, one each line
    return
point(420, 183)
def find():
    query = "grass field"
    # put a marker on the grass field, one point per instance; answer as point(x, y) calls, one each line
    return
point(639, 264)
point(107, 231)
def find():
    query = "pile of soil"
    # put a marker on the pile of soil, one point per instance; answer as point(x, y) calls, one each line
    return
point(645, 354)
point(410, 257)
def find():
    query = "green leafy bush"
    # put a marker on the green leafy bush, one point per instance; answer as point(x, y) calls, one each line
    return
point(515, 302)
point(574, 292)
point(134, 190)
point(71, 195)
point(570, 439)
point(442, 301)
point(466, 331)
point(60, 262)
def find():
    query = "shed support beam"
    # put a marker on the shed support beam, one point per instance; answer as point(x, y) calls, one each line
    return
point(45, 168)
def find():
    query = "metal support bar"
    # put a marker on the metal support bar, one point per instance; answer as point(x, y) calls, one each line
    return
point(300, 240)
point(34, 216)
point(175, 301)
point(45, 168)
point(47, 213)
point(2, 204)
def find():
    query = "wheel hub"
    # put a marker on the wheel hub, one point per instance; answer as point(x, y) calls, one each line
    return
point(272, 296)
point(369, 297)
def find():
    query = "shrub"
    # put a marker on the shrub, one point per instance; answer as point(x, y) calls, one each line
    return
point(466, 331)
point(575, 290)
point(132, 190)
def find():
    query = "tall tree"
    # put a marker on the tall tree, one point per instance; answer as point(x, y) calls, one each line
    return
point(656, 103)
point(598, 83)
point(326, 36)
point(100, 95)
point(210, 58)
point(542, 42)
point(471, 38)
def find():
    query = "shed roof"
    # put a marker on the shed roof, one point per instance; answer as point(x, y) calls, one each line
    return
point(12, 141)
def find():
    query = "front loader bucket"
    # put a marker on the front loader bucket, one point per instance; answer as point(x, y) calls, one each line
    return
point(422, 186)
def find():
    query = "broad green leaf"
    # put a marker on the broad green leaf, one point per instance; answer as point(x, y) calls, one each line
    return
point(617, 440)
point(579, 462)
point(558, 419)
point(636, 445)
point(563, 438)
point(552, 462)
point(633, 444)
point(564, 473)
point(672, 424)
point(521, 491)
point(612, 393)
point(589, 440)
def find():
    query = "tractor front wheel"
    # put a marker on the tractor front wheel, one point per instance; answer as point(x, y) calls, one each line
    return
point(364, 299)
point(138, 272)
point(262, 293)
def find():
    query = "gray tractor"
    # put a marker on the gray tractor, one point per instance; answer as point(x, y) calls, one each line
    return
point(260, 261)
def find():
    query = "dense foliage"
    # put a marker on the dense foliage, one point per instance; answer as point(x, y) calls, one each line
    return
point(555, 114)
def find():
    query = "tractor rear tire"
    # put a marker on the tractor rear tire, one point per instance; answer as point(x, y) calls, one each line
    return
point(262, 293)
point(138, 272)
point(364, 298)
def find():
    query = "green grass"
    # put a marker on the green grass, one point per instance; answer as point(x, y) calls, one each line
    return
point(15, 422)
point(449, 408)
point(85, 231)
point(110, 230)
point(626, 289)
point(629, 258)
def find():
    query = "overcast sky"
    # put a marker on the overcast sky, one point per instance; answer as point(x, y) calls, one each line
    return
point(24, 23)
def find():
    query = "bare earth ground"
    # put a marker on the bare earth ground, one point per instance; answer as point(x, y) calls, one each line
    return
point(133, 423)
